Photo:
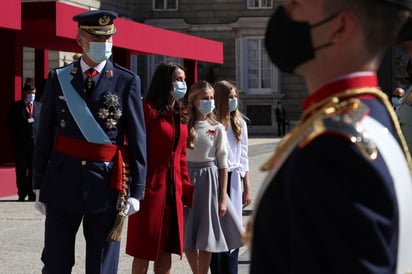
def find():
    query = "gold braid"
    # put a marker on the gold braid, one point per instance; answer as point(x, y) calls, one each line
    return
point(384, 99)
point(116, 232)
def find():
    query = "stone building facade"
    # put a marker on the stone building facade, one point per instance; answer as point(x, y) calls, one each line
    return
point(239, 24)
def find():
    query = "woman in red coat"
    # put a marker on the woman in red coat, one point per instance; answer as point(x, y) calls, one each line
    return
point(156, 231)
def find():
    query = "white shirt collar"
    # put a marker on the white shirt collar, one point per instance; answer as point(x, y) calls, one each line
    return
point(85, 66)
point(350, 75)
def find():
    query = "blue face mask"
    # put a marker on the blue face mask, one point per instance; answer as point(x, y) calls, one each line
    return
point(179, 90)
point(232, 104)
point(396, 101)
point(30, 97)
point(99, 51)
point(206, 106)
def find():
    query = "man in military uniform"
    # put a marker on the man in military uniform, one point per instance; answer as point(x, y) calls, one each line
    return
point(338, 192)
point(92, 127)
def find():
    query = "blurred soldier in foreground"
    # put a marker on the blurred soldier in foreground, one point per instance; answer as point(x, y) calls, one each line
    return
point(338, 193)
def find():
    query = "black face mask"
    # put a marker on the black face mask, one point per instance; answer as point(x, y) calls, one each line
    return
point(288, 42)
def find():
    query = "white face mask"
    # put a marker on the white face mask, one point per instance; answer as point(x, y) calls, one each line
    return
point(206, 106)
point(30, 97)
point(232, 104)
point(179, 90)
point(99, 51)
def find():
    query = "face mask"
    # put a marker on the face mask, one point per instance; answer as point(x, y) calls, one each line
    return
point(396, 101)
point(232, 104)
point(30, 98)
point(99, 51)
point(206, 106)
point(288, 42)
point(179, 90)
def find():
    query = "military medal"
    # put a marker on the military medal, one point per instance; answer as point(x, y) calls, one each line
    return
point(117, 114)
point(111, 100)
point(103, 113)
point(89, 82)
point(111, 112)
point(111, 123)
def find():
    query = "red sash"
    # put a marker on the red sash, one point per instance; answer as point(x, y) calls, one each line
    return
point(96, 152)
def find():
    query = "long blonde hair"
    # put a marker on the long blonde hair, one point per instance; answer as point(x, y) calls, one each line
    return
point(222, 93)
point(194, 91)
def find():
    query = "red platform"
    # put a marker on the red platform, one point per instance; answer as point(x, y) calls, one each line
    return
point(7, 181)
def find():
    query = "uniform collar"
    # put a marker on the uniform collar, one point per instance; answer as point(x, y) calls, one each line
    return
point(345, 82)
point(85, 66)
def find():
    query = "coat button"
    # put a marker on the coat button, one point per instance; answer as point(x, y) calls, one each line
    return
point(83, 163)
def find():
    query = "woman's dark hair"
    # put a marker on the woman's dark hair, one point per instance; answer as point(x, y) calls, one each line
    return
point(158, 94)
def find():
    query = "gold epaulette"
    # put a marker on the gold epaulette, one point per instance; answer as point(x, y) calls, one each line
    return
point(344, 119)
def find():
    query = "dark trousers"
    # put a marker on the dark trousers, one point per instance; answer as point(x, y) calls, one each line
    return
point(24, 172)
point(60, 235)
point(281, 127)
point(225, 262)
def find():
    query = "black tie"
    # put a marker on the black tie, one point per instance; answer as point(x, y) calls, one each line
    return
point(89, 85)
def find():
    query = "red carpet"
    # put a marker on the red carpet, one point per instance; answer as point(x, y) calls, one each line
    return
point(7, 181)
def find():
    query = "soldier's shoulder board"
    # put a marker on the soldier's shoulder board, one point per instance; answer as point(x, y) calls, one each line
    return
point(344, 119)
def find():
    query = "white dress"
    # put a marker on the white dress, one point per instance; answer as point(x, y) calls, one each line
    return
point(238, 164)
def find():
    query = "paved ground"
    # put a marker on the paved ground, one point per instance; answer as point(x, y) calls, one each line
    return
point(22, 228)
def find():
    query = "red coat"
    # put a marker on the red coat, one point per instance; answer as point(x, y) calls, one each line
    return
point(144, 227)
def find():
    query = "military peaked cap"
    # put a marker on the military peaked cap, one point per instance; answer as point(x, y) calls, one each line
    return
point(97, 22)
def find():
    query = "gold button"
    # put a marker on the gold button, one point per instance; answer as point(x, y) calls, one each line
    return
point(83, 163)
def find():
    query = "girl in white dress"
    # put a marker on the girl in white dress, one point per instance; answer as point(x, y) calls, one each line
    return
point(211, 224)
point(238, 186)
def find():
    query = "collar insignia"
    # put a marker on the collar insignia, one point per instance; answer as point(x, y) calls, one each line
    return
point(109, 73)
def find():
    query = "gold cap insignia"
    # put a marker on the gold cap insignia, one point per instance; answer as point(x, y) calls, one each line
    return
point(104, 20)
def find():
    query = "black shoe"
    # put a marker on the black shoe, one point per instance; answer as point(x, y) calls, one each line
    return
point(21, 199)
point(32, 198)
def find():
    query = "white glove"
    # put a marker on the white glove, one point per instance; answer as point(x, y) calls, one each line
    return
point(40, 206)
point(132, 206)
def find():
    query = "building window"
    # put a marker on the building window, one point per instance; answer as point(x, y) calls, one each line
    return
point(259, 4)
point(254, 71)
point(164, 4)
point(154, 60)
